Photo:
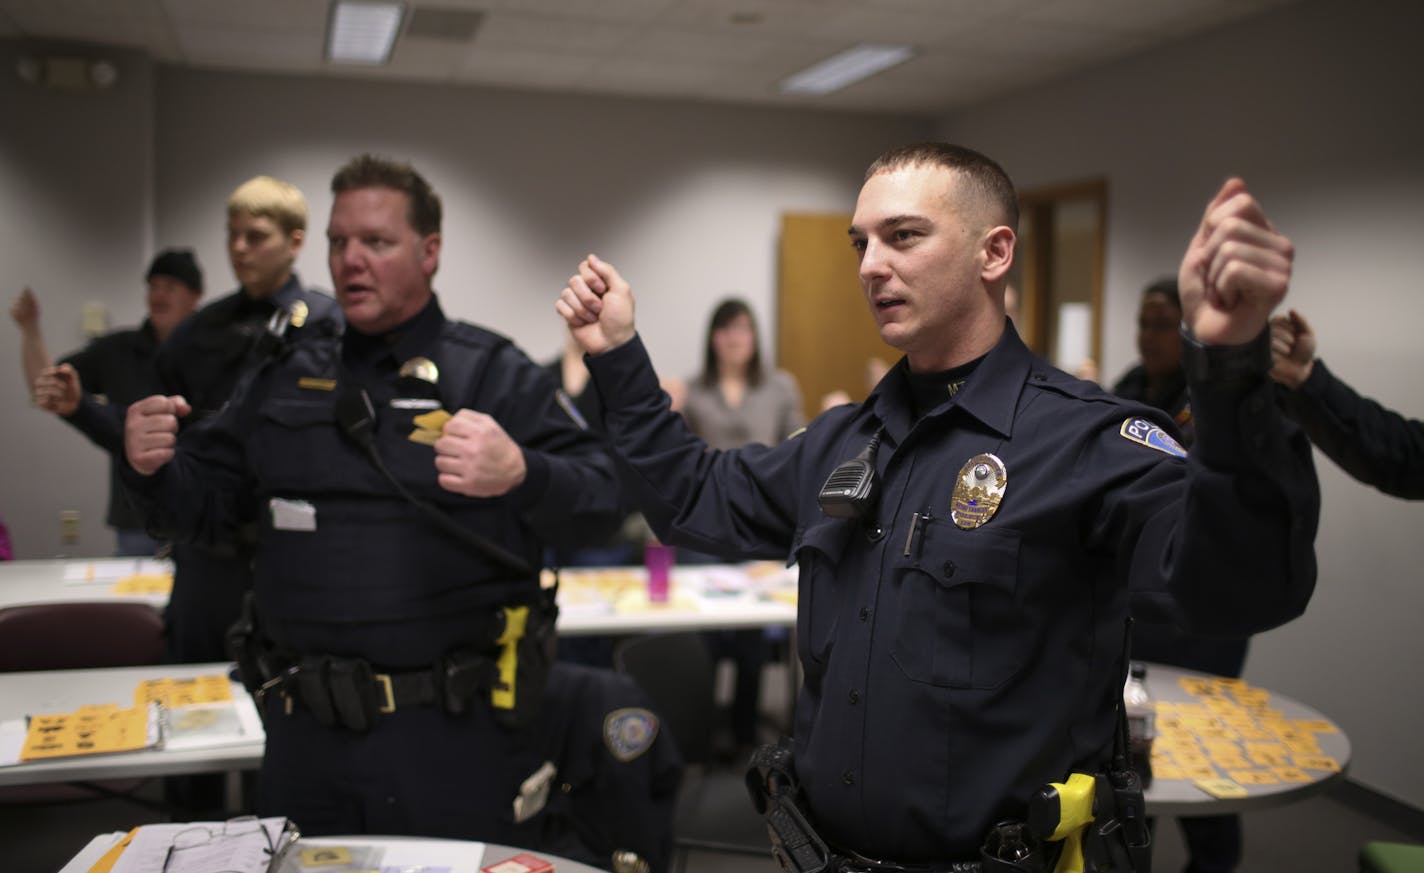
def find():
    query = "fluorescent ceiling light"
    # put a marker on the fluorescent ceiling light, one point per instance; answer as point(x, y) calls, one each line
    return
point(363, 32)
point(851, 65)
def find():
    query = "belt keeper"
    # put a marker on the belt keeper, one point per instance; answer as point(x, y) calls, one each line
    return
point(388, 705)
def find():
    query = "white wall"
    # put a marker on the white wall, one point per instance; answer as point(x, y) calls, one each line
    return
point(76, 186)
point(685, 199)
point(1317, 107)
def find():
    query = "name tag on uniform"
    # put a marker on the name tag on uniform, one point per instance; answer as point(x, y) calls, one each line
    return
point(295, 515)
point(415, 403)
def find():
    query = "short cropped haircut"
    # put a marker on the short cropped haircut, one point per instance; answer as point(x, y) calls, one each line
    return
point(984, 177)
point(373, 171)
point(1167, 287)
point(267, 197)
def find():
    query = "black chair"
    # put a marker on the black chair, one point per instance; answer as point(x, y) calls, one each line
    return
point(67, 636)
point(714, 812)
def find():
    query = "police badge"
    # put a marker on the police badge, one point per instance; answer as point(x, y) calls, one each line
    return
point(978, 491)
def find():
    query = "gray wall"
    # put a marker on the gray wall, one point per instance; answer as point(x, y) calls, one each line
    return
point(1316, 106)
point(684, 198)
point(76, 184)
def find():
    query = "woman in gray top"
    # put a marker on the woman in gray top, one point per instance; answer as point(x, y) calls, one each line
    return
point(736, 400)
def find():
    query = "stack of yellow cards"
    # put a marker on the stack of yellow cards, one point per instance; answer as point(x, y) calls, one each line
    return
point(429, 427)
point(145, 583)
point(1229, 736)
point(91, 730)
point(208, 688)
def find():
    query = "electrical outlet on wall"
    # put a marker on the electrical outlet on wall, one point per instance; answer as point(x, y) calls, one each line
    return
point(69, 526)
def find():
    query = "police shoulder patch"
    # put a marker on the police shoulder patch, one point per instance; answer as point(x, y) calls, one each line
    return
point(1140, 430)
point(629, 732)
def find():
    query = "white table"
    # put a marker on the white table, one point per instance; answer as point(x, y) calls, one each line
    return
point(1183, 797)
point(461, 856)
point(609, 600)
point(614, 600)
point(29, 582)
point(52, 691)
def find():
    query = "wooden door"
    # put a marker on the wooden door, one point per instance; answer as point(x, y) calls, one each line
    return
point(825, 335)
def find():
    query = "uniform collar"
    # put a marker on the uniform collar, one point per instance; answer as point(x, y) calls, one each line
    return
point(990, 395)
point(289, 293)
point(284, 297)
point(401, 343)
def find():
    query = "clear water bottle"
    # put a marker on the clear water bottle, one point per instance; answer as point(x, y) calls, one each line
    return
point(1141, 721)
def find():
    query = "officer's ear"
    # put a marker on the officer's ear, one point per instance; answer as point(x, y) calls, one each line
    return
point(997, 252)
point(295, 238)
point(430, 253)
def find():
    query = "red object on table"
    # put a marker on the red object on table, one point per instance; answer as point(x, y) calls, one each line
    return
point(524, 863)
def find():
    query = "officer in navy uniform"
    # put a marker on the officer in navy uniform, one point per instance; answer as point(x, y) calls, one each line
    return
point(408, 474)
point(961, 628)
point(203, 360)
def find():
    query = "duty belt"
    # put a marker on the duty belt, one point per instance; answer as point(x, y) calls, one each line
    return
point(509, 672)
point(351, 693)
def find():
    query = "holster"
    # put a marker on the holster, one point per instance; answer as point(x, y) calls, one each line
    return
point(528, 647)
point(771, 782)
point(245, 646)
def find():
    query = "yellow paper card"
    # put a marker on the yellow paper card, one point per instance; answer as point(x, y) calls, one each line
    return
point(424, 437)
point(1316, 726)
point(144, 583)
point(1220, 787)
point(1291, 774)
point(320, 856)
point(63, 734)
point(432, 420)
point(208, 688)
point(1167, 771)
point(1319, 763)
point(1254, 777)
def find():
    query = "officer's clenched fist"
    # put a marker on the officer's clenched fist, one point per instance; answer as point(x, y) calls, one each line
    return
point(151, 431)
point(475, 457)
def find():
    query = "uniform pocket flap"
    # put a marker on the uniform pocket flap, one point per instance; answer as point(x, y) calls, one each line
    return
point(828, 536)
point(983, 556)
point(291, 412)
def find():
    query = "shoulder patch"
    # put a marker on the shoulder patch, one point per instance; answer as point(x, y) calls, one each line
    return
point(629, 732)
point(566, 403)
point(1144, 432)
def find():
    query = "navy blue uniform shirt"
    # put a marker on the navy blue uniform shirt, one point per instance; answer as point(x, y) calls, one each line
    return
point(345, 565)
point(949, 673)
point(208, 351)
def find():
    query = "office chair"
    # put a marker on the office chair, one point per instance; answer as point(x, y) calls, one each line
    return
point(1381, 857)
point(714, 812)
point(65, 636)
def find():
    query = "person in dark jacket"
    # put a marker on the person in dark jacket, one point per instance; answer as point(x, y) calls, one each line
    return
point(89, 388)
point(203, 361)
point(961, 618)
point(407, 475)
point(1375, 445)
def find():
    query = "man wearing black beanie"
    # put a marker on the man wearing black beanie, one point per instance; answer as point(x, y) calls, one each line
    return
point(90, 388)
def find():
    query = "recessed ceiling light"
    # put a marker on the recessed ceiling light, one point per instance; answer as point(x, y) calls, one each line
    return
point(851, 65)
point(363, 32)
